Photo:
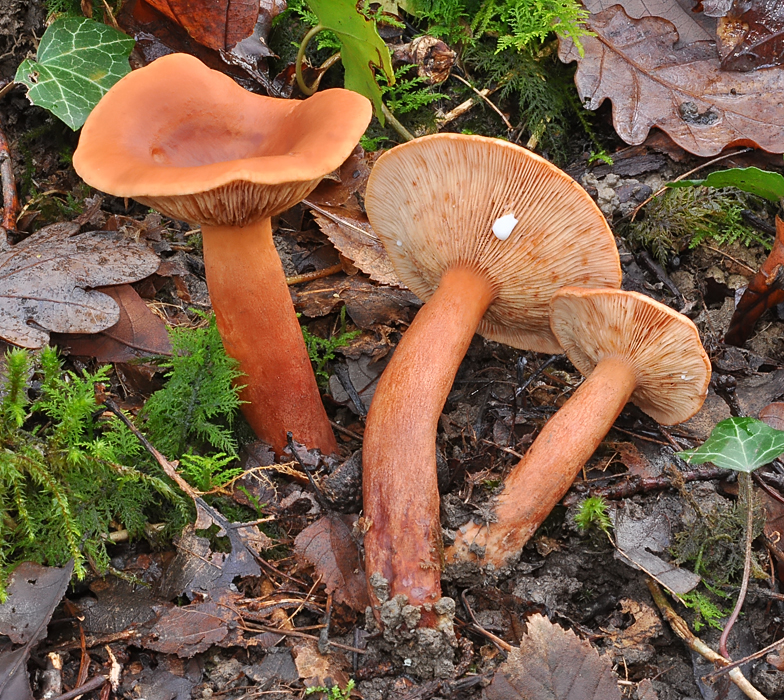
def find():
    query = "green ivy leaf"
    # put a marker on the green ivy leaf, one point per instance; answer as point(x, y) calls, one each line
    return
point(763, 183)
point(362, 49)
point(741, 444)
point(78, 60)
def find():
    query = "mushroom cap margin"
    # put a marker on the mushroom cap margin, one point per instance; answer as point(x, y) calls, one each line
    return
point(672, 368)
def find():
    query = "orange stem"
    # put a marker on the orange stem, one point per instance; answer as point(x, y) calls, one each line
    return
point(400, 489)
point(259, 328)
point(547, 470)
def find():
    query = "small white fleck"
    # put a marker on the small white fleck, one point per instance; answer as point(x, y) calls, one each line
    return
point(502, 228)
point(407, 662)
point(400, 243)
point(686, 378)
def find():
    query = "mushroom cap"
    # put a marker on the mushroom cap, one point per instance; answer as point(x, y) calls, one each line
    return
point(673, 371)
point(189, 141)
point(433, 203)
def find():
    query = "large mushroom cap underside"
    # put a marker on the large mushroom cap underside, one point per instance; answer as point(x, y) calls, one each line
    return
point(189, 141)
point(433, 203)
point(663, 346)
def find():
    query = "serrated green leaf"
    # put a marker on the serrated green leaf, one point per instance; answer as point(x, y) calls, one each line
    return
point(763, 183)
point(741, 444)
point(362, 49)
point(78, 60)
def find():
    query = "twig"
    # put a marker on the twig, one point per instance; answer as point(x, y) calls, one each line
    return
point(294, 633)
point(747, 494)
point(500, 643)
point(729, 257)
point(345, 431)
point(92, 684)
point(483, 95)
point(685, 175)
point(10, 197)
point(713, 675)
point(404, 133)
point(679, 626)
point(462, 108)
point(317, 274)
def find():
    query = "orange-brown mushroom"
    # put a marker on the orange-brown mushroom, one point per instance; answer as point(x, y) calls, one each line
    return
point(189, 141)
point(485, 232)
point(629, 347)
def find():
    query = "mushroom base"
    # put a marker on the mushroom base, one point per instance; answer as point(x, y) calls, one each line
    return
point(259, 328)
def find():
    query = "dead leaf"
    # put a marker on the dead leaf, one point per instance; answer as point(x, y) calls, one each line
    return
point(681, 90)
point(349, 179)
point(551, 663)
point(14, 683)
point(219, 24)
point(751, 35)
point(773, 415)
point(639, 538)
point(633, 459)
point(634, 641)
point(316, 669)
point(34, 591)
point(47, 282)
point(367, 304)
point(350, 232)
point(691, 26)
point(329, 546)
point(138, 333)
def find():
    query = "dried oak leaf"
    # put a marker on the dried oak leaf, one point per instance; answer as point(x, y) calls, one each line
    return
point(217, 25)
point(553, 664)
point(47, 281)
point(138, 333)
point(329, 546)
point(683, 91)
point(350, 232)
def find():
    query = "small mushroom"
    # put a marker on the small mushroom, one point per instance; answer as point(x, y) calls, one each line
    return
point(629, 347)
point(434, 203)
point(189, 141)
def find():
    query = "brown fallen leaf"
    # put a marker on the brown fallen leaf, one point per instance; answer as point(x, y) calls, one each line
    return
point(681, 90)
point(219, 24)
point(773, 415)
point(47, 282)
point(350, 232)
point(329, 546)
point(316, 669)
point(349, 179)
point(636, 639)
point(691, 26)
point(550, 663)
point(751, 35)
point(138, 333)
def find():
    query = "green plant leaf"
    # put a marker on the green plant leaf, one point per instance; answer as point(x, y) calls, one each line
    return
point(78, 60)
point(741, 444)
point(763, 183)
point(362, 49)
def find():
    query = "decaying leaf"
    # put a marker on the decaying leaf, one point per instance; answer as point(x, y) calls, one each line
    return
point(751, 35)
point(316, 669)
point(329, 546)
point(551, 663)
point(47, 282)
point(773, 415)
point(681, 90)
point(639, 538)
point(634, 642)
point(138, 333)
point(218, 25)
point(350, 232)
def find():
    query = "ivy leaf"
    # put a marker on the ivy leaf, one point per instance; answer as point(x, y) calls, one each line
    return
point(741, 444)
point(78, 60)
point(362, 49)
point(763, 183)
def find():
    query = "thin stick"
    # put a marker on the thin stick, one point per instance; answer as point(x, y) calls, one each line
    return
point(679, 626)
point(10, 197)
point(685, 175)
point(294, 633)
point(729, 257)
point(92, 684)
point(317, 274)
point(744, 485)
point(486, 99)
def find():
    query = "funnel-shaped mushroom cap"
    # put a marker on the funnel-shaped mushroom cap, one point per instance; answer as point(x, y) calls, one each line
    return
point(190, 142)
point(663, 347)
point(434, 201)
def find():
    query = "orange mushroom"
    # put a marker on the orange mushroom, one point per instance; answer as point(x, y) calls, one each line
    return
point(629, 347)
point(189, 141)
point(484, 231)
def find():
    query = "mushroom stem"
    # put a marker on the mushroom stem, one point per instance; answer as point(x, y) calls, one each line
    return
point(551, 464)
point(259, 328)
point(400, 488)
